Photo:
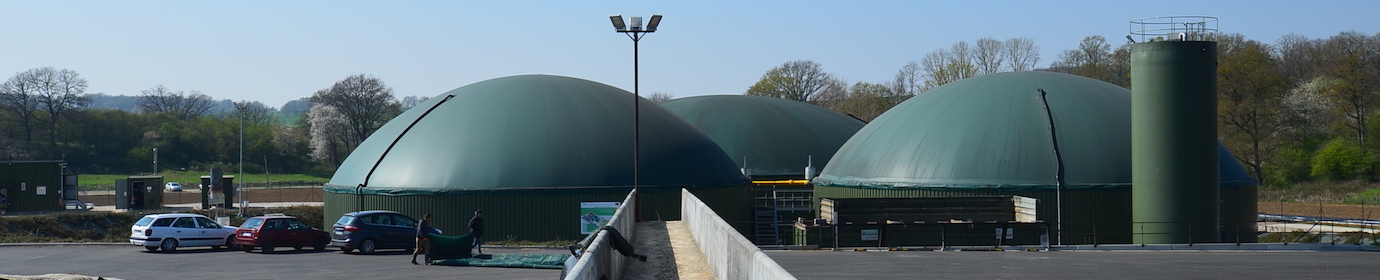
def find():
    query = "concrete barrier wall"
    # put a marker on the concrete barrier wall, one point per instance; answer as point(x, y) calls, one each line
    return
point(600, 260)
point(729, 254)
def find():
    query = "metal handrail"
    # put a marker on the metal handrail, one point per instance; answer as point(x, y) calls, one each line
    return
point(1180, 28)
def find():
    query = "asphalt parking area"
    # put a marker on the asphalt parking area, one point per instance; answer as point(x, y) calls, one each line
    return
point(132, 262)
point(1077, 265)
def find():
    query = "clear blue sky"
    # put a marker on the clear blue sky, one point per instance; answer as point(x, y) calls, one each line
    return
point(275, 51)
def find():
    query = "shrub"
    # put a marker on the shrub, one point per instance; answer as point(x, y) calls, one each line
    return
point(1289, 165)
point(1340, 160)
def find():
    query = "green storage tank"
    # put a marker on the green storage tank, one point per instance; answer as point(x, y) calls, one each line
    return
point(527, 150)
point(990, 135)
point(31, 185)
point(1174, 134)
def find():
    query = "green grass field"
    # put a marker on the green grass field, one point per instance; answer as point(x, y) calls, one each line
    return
point(189, 179)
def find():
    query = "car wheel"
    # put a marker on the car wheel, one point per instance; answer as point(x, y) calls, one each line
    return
point(367, 246)
point(168, 246)
point(319, 245)
point(151, 248)
point(230, 242)
point(268, 247)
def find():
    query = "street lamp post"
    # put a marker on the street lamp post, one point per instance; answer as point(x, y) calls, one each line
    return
point(636, 31)
point(155, 161)
point(239, 189)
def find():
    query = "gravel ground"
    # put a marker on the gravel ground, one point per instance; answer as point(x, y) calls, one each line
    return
point(671, 253)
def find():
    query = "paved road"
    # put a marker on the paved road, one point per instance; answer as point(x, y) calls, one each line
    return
point(1077, 265)
point(130, 262)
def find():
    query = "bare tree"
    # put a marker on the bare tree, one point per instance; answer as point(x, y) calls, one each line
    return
point(658, 97)
point(1299, 57)
point(1021, 54)
point(945, 66)
point(68, 92)
point(20, 93)
point(1094, 59)
point(48, 89)
point(989, 55)
point(908, 80)
point(796, 80)
point(254, 112)
point(365, 102)
point(179, 104)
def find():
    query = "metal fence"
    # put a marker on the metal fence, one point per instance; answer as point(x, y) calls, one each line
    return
point(994, 234)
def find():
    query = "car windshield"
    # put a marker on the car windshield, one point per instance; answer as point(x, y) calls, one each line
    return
point(144, 222)
point(345, 220)
point(252, 223)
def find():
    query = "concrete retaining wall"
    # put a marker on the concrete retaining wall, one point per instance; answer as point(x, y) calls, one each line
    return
point(600, 260)
point(729, 254)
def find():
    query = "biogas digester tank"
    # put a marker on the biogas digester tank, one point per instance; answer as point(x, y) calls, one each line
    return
point(1175, 196)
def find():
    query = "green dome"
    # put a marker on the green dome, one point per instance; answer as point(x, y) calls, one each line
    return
point(775, 135)
point(535, 132)
point(992, 131)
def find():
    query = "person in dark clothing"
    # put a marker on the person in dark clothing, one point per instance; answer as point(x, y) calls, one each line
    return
point(477, 230)
point(423, 228)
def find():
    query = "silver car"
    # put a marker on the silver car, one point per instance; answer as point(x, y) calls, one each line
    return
point(168, 232)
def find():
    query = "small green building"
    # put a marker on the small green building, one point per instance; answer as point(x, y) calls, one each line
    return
point(31, 185)
point(528, 150)
point(992, 135)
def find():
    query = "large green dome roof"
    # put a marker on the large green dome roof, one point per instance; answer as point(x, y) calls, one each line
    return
point(992, 131)
point(775, 135)
point(535, 132)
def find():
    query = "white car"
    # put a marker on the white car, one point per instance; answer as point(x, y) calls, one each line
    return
point(170, 231)
point(172, 187)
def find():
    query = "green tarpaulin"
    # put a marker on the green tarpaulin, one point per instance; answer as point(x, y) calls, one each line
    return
point(509, 260)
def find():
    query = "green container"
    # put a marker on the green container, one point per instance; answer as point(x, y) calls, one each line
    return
point(1174, 142)
point(140, 192)
point(32, 185)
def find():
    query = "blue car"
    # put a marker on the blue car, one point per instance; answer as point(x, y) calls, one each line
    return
point(372, 230)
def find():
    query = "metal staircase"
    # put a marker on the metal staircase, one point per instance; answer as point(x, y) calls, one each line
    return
point(770, 205)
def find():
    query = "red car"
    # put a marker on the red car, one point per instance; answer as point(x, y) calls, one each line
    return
point(269, 232)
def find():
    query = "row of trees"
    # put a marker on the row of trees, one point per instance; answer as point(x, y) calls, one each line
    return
point(806, 81)
point(51, 104)
point(1299, 109)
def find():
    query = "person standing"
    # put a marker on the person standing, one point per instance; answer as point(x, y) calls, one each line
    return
point(477, 230)
point(423, 228)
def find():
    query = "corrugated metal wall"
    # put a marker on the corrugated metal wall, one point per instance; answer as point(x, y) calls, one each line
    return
point(1106, 212)
point(535, 217)
point(1239, 212)
point(22, 181)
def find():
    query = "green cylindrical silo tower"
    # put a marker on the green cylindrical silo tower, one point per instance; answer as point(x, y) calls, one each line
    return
point(1175, 196)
